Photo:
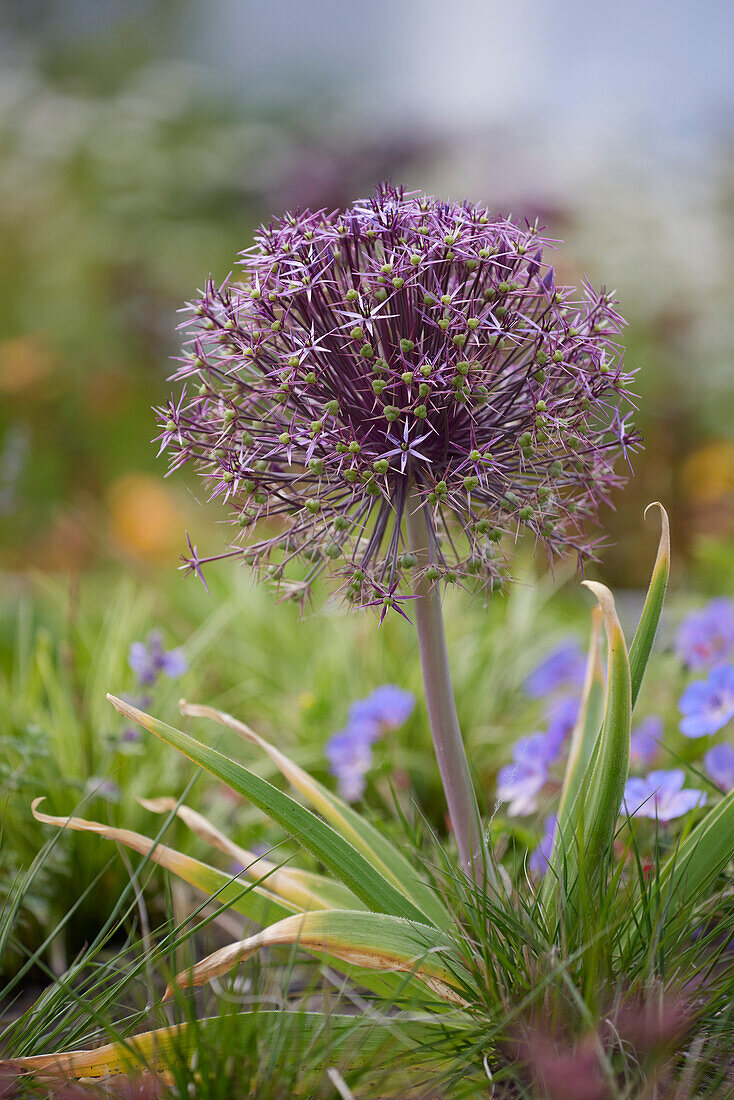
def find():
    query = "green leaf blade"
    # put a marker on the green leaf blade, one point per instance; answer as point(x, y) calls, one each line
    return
point(647, 628)
point(314, 834)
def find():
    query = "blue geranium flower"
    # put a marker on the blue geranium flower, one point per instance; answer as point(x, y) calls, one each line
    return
point(646, 739)
point(706, 637)
point(388, 706)
point(563, 667)
point(349, 752)
point(520, 782)
point(708, 705)
point(562, 714)
point(540, 856)
point(149, 659)
point(719, 764)
point(660, 795)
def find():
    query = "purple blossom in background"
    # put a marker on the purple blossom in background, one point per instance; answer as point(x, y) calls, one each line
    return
point(520, 782)
point(388, 706)
point(103, 788)
point(708, 705)
point(646, 739)
point(540, 856)
point(564, 667)
point(149, 659)
point(537, 746)
point(404, 344)
point(349, 752)
point(660, 795)
point(562, 714)
point(706, 637)
point(719, 764)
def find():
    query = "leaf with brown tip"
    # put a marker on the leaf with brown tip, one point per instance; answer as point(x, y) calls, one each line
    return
point(299, 888)
point(374, 941)
point(253, 901)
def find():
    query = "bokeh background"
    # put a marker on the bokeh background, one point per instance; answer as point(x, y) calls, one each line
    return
point(142, 140)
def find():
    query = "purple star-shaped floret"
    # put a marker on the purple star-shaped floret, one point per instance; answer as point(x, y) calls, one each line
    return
point(708, 705)
point(660, 795)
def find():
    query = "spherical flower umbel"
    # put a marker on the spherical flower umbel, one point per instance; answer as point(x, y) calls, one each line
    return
point(403, 353)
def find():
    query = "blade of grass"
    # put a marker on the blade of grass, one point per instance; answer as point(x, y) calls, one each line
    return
point(583, 739)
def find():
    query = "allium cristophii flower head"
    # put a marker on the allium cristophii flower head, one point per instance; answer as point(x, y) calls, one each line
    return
point(405, 352)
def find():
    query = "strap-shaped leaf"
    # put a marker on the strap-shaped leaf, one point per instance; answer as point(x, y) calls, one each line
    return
point(251, 900)
point(575, 816)
point(315, 835)
point(299, 888)
point(380, 852)
point(583, 741)
point(360, 1037)
point(375, 941)
point(585, 836)
point(647, 628)
point(610, 762)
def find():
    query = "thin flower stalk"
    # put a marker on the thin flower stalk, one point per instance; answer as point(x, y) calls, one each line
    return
point(447, 741)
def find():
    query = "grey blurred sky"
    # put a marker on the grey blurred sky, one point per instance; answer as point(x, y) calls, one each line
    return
point(660, 68)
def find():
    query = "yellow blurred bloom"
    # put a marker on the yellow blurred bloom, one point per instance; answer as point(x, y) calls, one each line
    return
point(144, 517)
point(708, 473)
point(25, 362)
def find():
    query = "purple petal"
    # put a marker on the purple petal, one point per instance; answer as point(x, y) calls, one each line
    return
point(646, 739)
point(719, 764)
point(174, 663)
point(563, 667)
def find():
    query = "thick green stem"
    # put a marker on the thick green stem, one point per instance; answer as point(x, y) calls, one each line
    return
point(450, 753)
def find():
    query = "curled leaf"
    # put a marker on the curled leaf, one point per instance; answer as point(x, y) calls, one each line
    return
point(301, 889)
point(374, 941)
point(253, 901)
